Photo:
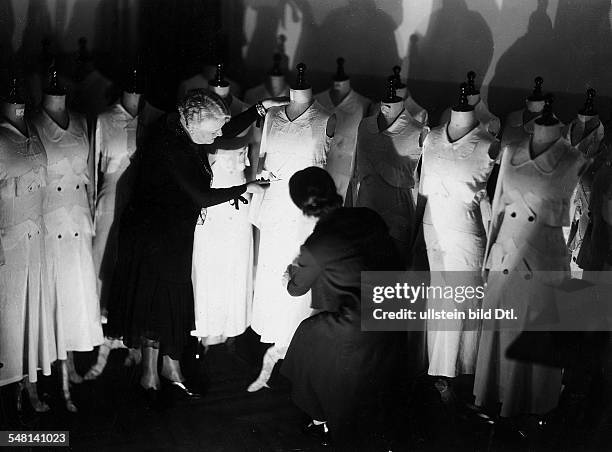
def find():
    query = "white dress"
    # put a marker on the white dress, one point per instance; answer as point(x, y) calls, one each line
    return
point(251, 97)
point(349, 113)
point(580, 211)
point(289, 146)
point(27, 339)
point(453, 182)
point(385, 167)
point(222, 265)
point(526, 257)
point(67, 216)
point(487, 119)
point(114, 143)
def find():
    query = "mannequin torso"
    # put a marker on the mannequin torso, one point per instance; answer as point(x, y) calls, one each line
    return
point(301, 100)
point(130, 102)
point(339, 91)
point(543, 137)
point(460, 124)
point(55, 106)
point(276, 85)
point(389, 112)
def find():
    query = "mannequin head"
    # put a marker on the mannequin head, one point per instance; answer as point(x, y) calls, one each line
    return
point(276, 79)
point(219, 85)
point(12, 106)
point(341, 81)
point(588, 111)
point(473, 93)
point(202, 114)
point(54, 98)
point(536, 101)
point(301, 91)
point(547, 128)
point(391, 105)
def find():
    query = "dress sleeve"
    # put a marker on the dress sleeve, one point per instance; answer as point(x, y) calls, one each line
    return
point(302, 273)
point(239, 123)
point(191, 180)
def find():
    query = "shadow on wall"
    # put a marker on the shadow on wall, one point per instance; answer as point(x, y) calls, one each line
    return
point(359, 31)
point(571, 56)
point(457, 40)
point(7, 28)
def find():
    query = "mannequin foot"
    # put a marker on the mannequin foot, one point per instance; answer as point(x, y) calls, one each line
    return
point(258, 384)
point(38, 405)
point(269, 360)
point(171, 370)
point(70, 406)
point(150, 382)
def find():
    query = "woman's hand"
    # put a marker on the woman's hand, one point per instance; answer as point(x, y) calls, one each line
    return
point(275, 102)
point(257, 186)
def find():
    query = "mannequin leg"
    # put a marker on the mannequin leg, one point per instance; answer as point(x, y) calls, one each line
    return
point(38, 405)
point(272, 355)
point(171, 369)
point(96, 370)
point(70, 406)
point(73, 376)
point(150, 355)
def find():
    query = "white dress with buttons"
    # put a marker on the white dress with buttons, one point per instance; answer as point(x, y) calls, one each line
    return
point(27, 340)
point(222, 266)
point(289, 146)
point(488, 120)
point(114, 143)
point(69, 226)
point(349, 113)
point(453, 181)
point(526, 257)
point(385, 166)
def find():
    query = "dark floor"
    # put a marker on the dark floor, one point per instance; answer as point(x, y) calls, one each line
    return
point(113, 416)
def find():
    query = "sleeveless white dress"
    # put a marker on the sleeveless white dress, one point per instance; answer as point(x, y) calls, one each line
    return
point(222, 265)
point(385, 168)
point(526, 257)
point(27, 339)
point(69, 224)
point(114, 143)
point(289, 146)
point(349, 113)
point(453, 181)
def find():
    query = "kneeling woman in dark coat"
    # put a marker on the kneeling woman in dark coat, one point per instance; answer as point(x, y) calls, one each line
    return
point(335, 368)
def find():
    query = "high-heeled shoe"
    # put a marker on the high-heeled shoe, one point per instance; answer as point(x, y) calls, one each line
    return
point(179, 391)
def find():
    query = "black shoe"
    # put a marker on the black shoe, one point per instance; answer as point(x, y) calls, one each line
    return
point(178, 391)
point(150, 397)
point(320, 432)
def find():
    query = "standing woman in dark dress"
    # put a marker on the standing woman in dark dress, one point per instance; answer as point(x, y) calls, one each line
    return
point(151, 293)
point(337, 370)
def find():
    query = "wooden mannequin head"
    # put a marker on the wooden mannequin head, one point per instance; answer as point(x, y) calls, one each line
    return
point(473, 93)
point(276, 79)
point(219, 85)
point(462, 117)
point(401, 89)
point(391, 105)
point(536, 101)
point(547, 128)
point(301, 91)
point(588, 112)
point(54, 96)
point(131, 96)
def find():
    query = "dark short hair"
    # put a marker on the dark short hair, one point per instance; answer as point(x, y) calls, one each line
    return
point(199, 104)
point(313, 191)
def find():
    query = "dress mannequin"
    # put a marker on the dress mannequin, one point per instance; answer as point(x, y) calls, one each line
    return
point(27, 336)
point(458, 158)
point(222, 264)
point(294, 137)
point(585, 133)
point(114, 141)
point(519, 124)
point(387, 154)
point(92, 92)
point(526, 258)
point(275, 85)
point(202, 80)
point(481, 111)
point(350, 108)
point(69, 227)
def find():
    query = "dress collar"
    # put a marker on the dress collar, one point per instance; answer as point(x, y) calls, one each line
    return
point(397, 126)
point(546, 161)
